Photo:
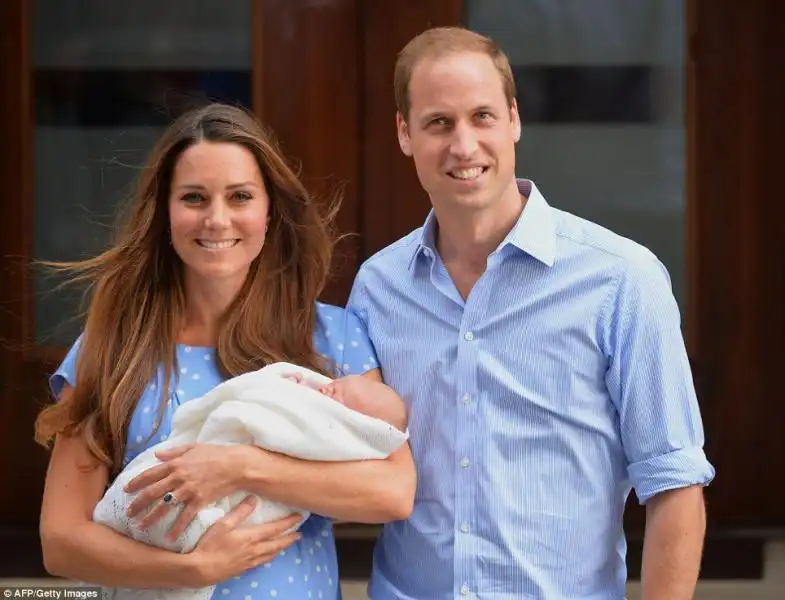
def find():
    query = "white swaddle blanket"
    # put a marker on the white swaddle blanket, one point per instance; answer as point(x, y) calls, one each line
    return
point(262, 408)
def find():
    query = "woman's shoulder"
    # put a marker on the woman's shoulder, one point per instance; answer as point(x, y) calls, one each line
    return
point(195, 361)
point(65, 374)
point(341, 336)
point(338, 322)
point(329, 311)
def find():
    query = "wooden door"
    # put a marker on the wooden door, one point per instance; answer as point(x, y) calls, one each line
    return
point(87, 87)
point(730, 266)
point(326, 90)
point(738, 260)
point(732, 270)
point(320, 74)
point(21, 463)
point(308, 93)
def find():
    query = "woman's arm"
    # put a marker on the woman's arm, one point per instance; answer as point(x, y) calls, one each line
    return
point(369, 491)
point(74, 547)
point(366, 491)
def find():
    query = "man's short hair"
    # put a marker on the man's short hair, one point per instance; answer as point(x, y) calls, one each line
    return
point(437, 42)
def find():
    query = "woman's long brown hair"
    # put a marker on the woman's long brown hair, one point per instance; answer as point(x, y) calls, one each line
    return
point(136, 298)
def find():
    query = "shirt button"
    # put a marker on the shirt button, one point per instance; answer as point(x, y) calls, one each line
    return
point(464, 590)
point(467, 398)
point(465, 527)
point(468, 336)
point(464, 462)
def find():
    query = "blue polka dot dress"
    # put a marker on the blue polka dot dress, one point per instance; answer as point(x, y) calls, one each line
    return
point(308, 569)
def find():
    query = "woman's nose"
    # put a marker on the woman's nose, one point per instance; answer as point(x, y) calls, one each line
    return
point(218, 215)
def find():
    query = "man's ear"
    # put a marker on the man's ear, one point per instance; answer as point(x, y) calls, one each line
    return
point(403, 134)
point(516, 121)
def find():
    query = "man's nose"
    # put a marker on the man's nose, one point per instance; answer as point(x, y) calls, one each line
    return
point(464, 143)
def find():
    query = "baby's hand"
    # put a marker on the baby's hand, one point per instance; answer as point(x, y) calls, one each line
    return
point(296, 377)
point(299, 379)
point(332, 391)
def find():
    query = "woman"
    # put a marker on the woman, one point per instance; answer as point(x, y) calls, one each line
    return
point(216, 273)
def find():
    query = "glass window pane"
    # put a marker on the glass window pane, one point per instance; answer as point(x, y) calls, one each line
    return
point(108, 75)
point(601, 94)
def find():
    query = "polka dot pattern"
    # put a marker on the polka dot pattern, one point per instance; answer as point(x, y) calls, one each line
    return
point(309, 568)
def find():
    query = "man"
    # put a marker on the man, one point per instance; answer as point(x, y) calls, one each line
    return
point(541, 360)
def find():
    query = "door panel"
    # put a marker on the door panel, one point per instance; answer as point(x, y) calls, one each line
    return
point(88, 88)
point(309, 95)
point(601, 94)
point(321, 77)
point(20, 496)
point(107, 79)
point(739, 275)
point(394, 200)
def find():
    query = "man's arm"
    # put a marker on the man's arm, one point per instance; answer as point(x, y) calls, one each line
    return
point(368, 491)
point(650, 383)
point(673, 544)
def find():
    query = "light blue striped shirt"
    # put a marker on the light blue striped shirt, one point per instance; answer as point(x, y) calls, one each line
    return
point(535, 406)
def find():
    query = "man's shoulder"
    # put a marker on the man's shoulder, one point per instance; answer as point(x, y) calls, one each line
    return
point(635, 269)
point(393, 257)
point(584, 236)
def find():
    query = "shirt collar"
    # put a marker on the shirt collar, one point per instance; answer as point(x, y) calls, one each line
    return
point(533, 233)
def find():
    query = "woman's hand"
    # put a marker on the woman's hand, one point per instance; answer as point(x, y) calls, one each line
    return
point(194, 475)
point(228, 549)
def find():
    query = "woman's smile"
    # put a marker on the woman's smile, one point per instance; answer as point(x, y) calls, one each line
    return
point(218, 244)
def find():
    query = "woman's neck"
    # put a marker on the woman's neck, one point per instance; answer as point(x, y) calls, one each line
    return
point(206, 303)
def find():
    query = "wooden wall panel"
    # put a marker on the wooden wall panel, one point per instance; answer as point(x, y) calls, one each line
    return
point(395, 201)
point(21, 461)
point(307, 89)
point(740, 275)
point(323, 82)
point(692, 229)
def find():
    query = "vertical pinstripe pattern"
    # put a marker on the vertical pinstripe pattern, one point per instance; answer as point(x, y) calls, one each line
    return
point(535, 406)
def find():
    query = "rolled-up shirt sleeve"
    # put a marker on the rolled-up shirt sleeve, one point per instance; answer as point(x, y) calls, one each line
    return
point(650, 381)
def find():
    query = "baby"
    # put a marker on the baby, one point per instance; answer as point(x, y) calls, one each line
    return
point(362, 394)
point(282, 408)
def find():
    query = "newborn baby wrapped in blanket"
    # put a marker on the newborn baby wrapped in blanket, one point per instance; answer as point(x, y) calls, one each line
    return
point(267, 408)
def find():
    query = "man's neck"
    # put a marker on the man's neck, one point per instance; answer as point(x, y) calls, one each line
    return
point(467, 239)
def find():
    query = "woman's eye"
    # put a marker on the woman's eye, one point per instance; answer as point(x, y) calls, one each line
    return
point(242, 196)
point(193, 198)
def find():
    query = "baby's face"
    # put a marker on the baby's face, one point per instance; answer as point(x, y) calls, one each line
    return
point(351, 389)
